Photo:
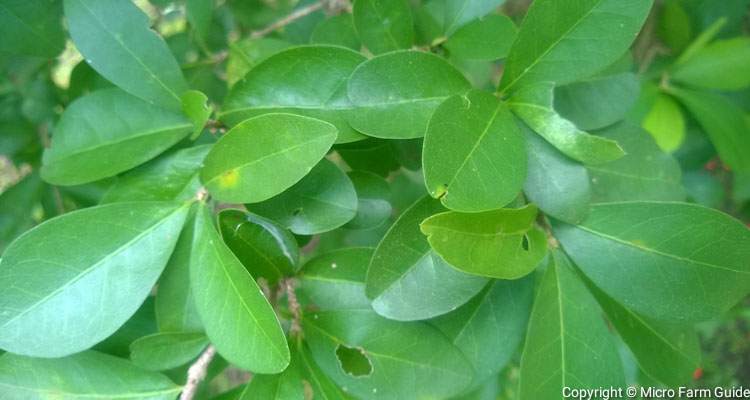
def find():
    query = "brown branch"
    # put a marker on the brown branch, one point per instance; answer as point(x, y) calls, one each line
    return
point(294, 306)
point(297, 14)
point(197, 373)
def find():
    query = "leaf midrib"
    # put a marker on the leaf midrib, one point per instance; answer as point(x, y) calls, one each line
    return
point(95, 265)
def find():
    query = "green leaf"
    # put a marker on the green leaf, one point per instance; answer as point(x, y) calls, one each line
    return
point(82, 376)
point(247, 53)
point(195, 107)
point(558, 185)
point(644, 173)
point(322, 386)
point(374, 155)
point(721, 65)
point(104, 260)
point(31, 28)
point(116, 40)
point(562, 42)
point(323, 200)
point(723, 121)
point(488, 38)
point(174, 305)
point(567, 344)
point(337, 30)
point(264, 248)
point(461, 12)
point(336, 280)
point(392, 359)
point(108, 132)
point(142, 323)
point(669, 261)
point(16, 208)
point(265, 155)
point(173, 176)
point(599, 101)
point(199, 14)
point(401, 106)
point(306, 80)
point(502, 244)
point(406, 280)
point(167, 350)
point(534, 105)
point(238, 319)
point(287, 385)
point(384, 25)
point(373, 200)
point(666, 352)
point(702, 40)
point(473, 157)
point(665, 123)
point(489, 328)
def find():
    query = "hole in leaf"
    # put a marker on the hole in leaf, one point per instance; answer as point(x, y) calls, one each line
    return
point(525, 242)
point(353, 360)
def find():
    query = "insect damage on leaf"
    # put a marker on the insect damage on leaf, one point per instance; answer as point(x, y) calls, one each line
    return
point(229, 179)
point(353, 360)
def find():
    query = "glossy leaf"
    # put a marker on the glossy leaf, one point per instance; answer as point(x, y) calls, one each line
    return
point(323, 200)
point(173, 176)
point(373, 200)
point(406, 280)
point(321, 385)
point(116, 40)
point(264, 248)
point(337, 30)
point(384, 25)
point(405, 360)
point(489, 328)
point(174, 305)
point(599, 101)
point(724, 123)
point(31, 28)
point(558, 185)
point(195, 107)
point(238, 319)
point(166, 350)
point(401, 106)
point(568, 343)
point(245, 54)
point(534, 105)
point(679, 262)
point(473, 157)
point(307, 80)
point(81, 376)
point(644, 173)
point(105, 268)
point(460, 12)
point(287, 385)
point(96, 130)
point(488, 38)
point(721, 65)
point(265, 155)
point(666, 123)
point(502, 244)
point(562, 42)
point(667, 352)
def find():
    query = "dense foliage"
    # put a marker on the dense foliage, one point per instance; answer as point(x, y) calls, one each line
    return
point(392, 199)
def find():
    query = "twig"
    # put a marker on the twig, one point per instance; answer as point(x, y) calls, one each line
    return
point(197, 372)
point(297, 14)
point(294, 306)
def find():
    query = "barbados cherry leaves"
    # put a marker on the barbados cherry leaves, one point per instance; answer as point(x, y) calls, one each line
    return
point(383, 199)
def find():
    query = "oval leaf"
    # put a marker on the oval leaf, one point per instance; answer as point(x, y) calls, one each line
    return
point(502, 244)
point(384, 25)
point(104, 259)
point(373, 200)
point(488, 38)
point(670, 261)
point(82, 376)
point(474, 156)
point(307, 80)
point(108, 132)
point(167, 350)
point(406, 280)
point(116, 40)
point(265, 155)
point(238, 319)
point(323, 200)
point(400, 107)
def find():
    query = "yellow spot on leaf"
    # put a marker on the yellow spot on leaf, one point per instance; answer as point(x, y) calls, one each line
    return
point(229, 178)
